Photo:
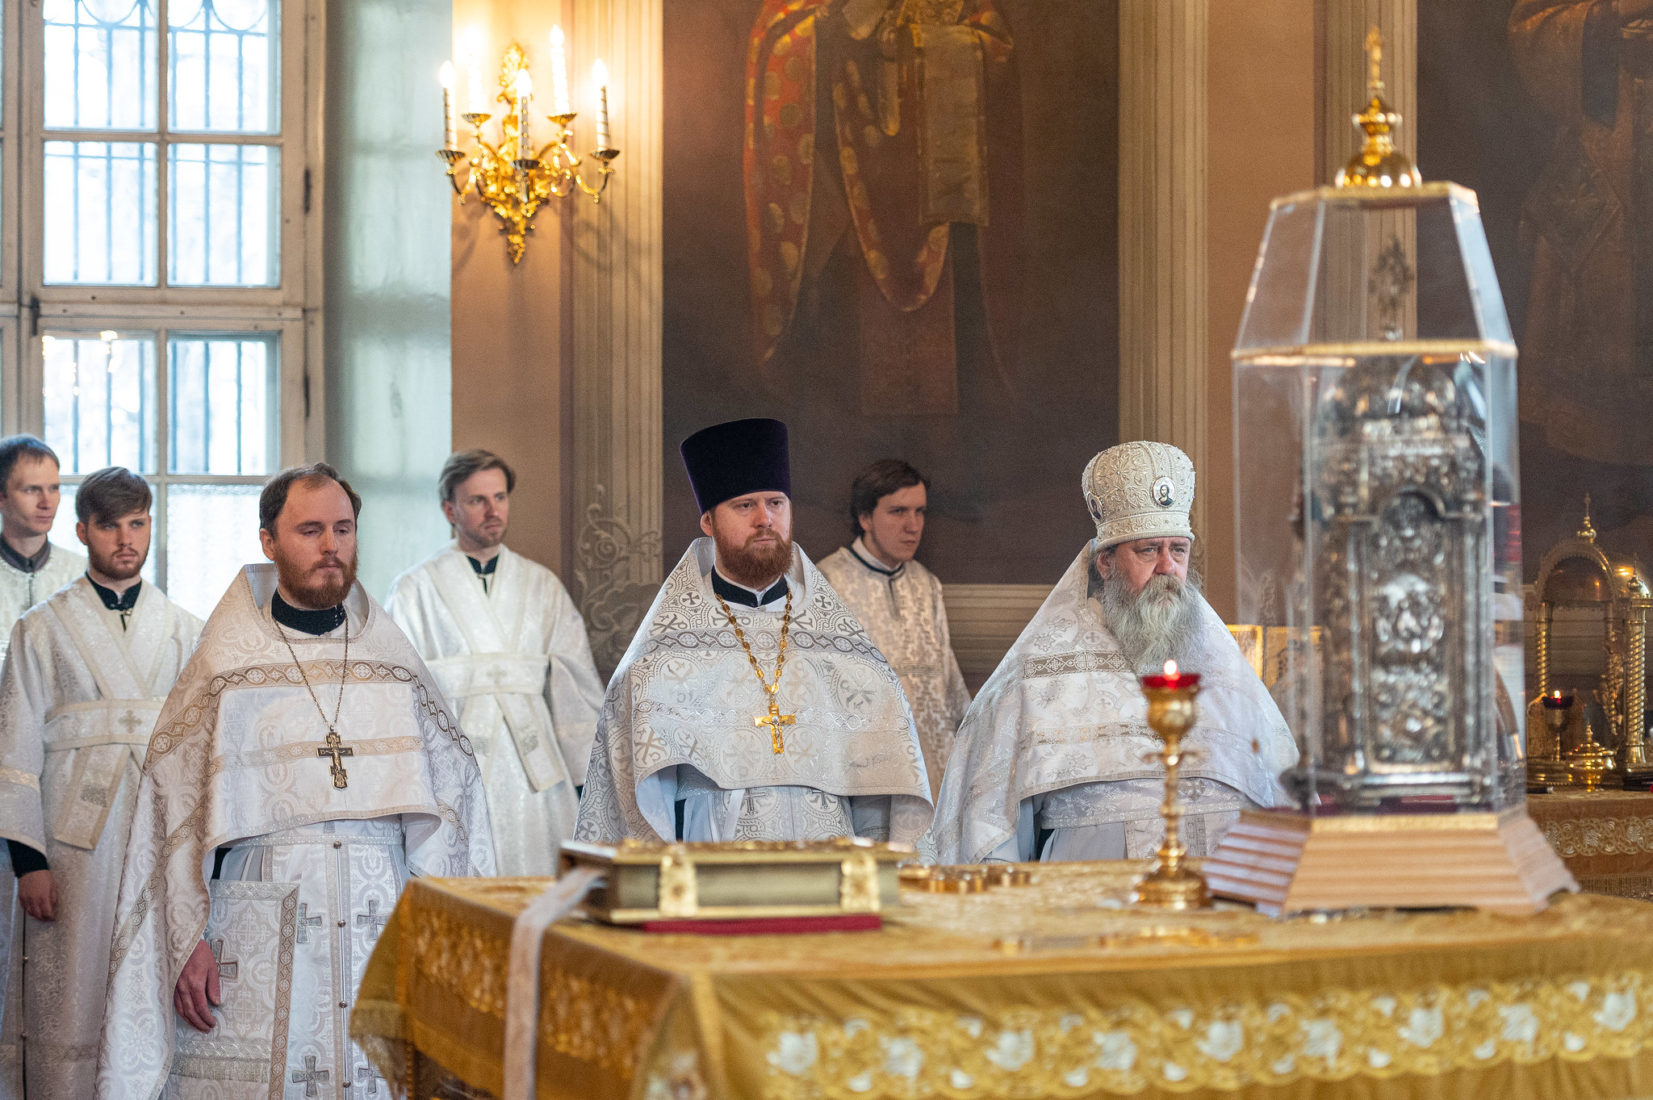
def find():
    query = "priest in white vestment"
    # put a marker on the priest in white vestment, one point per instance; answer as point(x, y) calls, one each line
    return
point(1055, 759)
point(303, 766)
point(509, 649)
point(751, 705)
point(82, 684)
point(899, 601)
point(31, 568)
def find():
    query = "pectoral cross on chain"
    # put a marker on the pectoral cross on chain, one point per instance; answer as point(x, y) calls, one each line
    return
point(336, 748)
point(775, 720)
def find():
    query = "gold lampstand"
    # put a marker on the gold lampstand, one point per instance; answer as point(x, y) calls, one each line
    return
point(512, 178)
point(1172, 884)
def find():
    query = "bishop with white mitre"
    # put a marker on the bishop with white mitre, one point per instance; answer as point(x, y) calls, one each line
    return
point(1055, 759)
point(83, 681)
point(302, 768)
point(751, 705)
point(509, 648)
point(899, 601)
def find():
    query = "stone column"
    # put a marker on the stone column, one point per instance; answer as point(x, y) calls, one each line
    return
point(613, 491)
point(1162, 225)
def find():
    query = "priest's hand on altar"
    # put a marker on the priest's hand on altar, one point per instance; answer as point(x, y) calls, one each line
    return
point(197, 989)
point(38, 895)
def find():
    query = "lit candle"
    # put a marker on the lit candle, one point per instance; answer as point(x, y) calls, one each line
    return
point(1557, 701)
point(599, 76)
point(450, 136)
point(525, 96)
point(559, 72)
point(1171, 678)
point(476, 103)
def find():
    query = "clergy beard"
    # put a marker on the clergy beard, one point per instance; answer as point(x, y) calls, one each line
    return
point(308, 590)
point(113, 567)
point(753, 566)
point(1155, 625)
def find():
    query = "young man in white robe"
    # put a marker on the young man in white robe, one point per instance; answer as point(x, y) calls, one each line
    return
point(31, 568)
point(1055, 759)
point(82, 684)
point(751, 705)
point(509, 648)
point(899, 601)
point(303, 766)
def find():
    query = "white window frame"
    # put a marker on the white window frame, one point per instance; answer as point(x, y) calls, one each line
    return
point(31, 309)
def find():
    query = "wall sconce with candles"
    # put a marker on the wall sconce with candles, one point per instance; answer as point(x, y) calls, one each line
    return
point(512, 177)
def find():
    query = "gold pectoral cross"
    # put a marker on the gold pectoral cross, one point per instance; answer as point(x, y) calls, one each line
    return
point(775, 720)
point(336, 748)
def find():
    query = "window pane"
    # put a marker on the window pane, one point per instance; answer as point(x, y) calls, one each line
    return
point(224, 63)
point(211, 532)
point(63, 531)
point(223, 215)
point(100, 401)
point(101, 59)
point(100, 212)
point(222, 393)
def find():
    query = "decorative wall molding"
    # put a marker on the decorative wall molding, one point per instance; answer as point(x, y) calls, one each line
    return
point(616, 278)
point(1163, 265)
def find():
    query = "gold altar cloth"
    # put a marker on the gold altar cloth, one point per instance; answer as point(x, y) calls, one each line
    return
point(1604, 837)
point(1052, 990)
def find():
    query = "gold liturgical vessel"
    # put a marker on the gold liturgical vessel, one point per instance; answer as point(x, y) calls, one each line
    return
point(1591, 640)
point(1377, 460)
point(1172, 884)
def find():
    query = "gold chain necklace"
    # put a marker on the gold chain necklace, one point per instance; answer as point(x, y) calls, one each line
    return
point(334, 745)
point(774, 719)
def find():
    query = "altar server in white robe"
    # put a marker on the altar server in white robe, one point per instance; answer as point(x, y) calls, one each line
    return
point(509, 648)
point(31, 568)
point(899, 601)
point(751, 705)
point(1055, 759)
point(82, 685)
point(307, 752)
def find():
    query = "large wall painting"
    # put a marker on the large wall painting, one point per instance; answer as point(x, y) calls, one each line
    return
point(1545, 108)
point(892, 223)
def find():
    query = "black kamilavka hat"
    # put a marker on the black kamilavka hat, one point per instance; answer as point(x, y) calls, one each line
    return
point(738, 457)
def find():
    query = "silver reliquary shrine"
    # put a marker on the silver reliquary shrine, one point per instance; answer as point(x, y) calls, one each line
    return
point(1378, 496)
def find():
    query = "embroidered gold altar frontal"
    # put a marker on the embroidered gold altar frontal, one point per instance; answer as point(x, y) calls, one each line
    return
point(1049, 990)
point(1604, 837)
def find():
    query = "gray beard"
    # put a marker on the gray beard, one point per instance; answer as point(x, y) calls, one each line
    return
point(1157, 624)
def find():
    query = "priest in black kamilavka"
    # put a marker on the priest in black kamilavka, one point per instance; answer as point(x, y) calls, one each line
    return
point(751, 705)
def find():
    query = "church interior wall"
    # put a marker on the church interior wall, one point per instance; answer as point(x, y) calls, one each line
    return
point(386, 324)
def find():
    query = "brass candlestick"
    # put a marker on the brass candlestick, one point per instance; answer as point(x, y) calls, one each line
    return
point(1172, 884)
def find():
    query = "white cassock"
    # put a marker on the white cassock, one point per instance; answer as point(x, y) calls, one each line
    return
point(678, 724)
point(20, 591)
point(1057, 744)
point(515, 659)
point(78, 699)
point(903, 612)
point(312, 869)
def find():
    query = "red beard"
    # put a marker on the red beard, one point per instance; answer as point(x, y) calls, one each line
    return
point(313, 591)
point(753, 566)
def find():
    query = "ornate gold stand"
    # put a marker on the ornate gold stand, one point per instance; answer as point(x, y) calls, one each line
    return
point(1172, 884)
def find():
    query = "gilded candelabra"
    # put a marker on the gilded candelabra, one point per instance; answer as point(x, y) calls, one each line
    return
point(1172, 884)
point(512, 177)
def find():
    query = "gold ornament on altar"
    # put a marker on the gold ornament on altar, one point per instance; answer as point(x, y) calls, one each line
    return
point(512, 177)
point(1172, 884)
point(1379, 163)
point(1591, 635)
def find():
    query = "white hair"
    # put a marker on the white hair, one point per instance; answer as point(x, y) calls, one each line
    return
point(1156, 624)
